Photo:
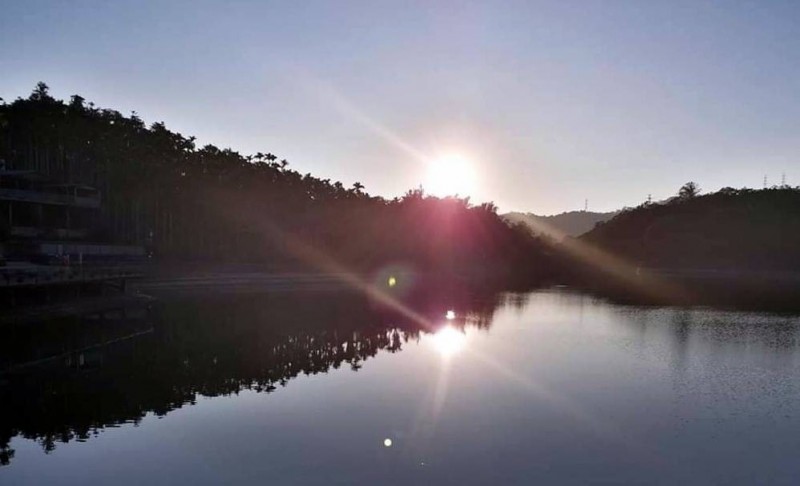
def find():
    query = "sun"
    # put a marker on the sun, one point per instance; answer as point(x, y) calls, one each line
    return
point(449, 175)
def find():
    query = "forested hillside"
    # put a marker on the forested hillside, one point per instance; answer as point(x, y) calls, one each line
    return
point(187, 202)
point(733, 229)
point(570, 223)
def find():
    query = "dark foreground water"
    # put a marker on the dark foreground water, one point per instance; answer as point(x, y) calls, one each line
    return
point(326, 388)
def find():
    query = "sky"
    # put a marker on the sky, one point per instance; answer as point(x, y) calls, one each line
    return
point(547, 103)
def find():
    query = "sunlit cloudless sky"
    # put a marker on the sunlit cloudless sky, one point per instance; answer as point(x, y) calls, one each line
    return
point(553, 102)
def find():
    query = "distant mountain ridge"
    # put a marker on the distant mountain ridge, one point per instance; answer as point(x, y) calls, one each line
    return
point(570, 223)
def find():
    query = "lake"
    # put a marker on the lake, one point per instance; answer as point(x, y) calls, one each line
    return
point(327, 387)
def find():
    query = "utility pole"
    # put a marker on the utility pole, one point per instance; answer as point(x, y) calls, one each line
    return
point(585, 205)
point(765, 181)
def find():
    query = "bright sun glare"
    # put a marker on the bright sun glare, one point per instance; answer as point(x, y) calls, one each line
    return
point(449, 341)
point(449, 175)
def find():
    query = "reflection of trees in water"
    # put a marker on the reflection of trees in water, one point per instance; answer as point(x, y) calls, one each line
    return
point(516, 300)
point(212, 347)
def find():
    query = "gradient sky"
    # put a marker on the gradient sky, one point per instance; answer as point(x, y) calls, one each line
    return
point(554, 102)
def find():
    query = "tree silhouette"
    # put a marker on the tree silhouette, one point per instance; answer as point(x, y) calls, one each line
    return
point(41, 92)
point(689, 190)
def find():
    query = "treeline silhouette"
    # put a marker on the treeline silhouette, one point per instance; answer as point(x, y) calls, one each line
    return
point(197, 346)
point(730, 230)
point(205, 203)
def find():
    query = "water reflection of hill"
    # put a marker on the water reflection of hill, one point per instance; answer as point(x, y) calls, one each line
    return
point(67, 381)
point(763, 295)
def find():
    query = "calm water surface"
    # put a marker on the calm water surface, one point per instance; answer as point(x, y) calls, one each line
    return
point(319, 388)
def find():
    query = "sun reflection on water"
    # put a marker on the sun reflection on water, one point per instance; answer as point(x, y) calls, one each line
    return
point(448, 341)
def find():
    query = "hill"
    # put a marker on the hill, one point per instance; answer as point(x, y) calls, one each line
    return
point(158, 189)
point(733, 229)
point(571, 223)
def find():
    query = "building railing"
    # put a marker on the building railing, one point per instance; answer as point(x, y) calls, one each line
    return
point(53, 275)
point(37, 232)
point(49, 198)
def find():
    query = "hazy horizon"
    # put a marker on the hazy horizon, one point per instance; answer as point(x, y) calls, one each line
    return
point(551, 104)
